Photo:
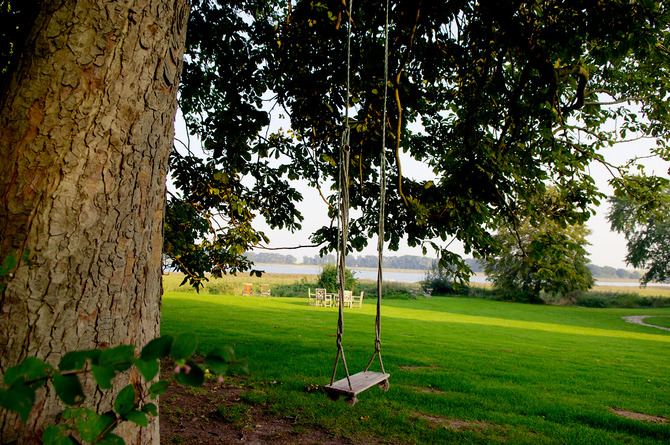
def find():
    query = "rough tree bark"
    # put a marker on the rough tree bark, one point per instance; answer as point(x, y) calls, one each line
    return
point(86, 127)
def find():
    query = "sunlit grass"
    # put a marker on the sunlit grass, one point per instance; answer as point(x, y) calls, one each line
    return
point(658, 321)
point(531, 374)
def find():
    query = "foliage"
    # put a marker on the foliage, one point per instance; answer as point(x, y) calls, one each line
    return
point(611, 272)
point(511, 97)
point(540, 255)
point(223, 185)
point(440, 280)
point(390, 290)
point(642, 213)
point(20, 14)
point(270, 258)
point(328, 279)
point(494, 87)
point(20, 383)
point(619, 299)
point(299, 289)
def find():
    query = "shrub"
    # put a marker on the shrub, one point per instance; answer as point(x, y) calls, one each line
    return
point(441, 282)
point(294, 290)
point(390, 290)
point(593, 301)
point(624, 300)
point(328, 279)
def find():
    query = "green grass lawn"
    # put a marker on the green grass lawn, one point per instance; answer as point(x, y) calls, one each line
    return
point(658, 321)
point(462, 370)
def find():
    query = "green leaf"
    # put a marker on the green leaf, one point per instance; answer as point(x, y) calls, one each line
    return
point(191, 374)
point(111, 439)
point(76, 360)
point(217, 365)
point(68, 388)
point(57, 435)
point(9, 264)
point(119, 357)
point(91, 424)
point(157, 348)
point(218, 359)
point(148, 368)
point(158, 388)
point(184, 346)
point(70, 413)
point(150, 409)
point(125, 401)
point(137, 417)
point(103, 375)
point(31, 369)
point(226, 353)
point(18, 398)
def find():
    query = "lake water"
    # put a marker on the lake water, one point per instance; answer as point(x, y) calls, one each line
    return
point(406, 277)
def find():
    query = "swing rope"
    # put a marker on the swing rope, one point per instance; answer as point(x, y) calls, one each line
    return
point(343, 221)
point(382, 202)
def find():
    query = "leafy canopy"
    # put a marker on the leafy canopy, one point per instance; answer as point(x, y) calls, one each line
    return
point(540, 256)
point(641, 212)
point(499, 99)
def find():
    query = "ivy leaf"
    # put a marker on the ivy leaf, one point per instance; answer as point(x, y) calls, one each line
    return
point(119, 357)
point(68, 388)
point(191, 374)
point(56, 435)
point(150, 409)
point(31, 370)
point(184, 346)
point(219, 358)
point(8, 264)
point(18, 398)
point(91, 424)
point(76, 360)
point(125, 401)
point(103, 375)
point(148, 368)
point(158, 388)
point(137, 417)
point(111, 439)
point(157, 348)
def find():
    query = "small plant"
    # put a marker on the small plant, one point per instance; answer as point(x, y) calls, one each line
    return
point(254, 397)
point(328, 279)
point(236, 415)
point(20, 383)
point(440, 280)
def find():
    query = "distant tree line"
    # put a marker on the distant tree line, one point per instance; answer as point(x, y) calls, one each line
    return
point(270, 258)
point(412, 262)
point(611, 272)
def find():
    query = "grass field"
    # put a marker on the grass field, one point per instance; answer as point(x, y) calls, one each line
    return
point(462, 370)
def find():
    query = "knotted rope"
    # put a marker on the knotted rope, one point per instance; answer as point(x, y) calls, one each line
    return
point(343, 221)
point(382, 202)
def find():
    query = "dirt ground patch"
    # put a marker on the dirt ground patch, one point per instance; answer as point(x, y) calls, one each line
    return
point(638, 416)
point(453, 424)
point(216, 414)
point(416, 368)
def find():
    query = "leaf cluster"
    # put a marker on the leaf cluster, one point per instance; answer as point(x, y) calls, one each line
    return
point(500, 100)
point(641, 212)
point(540, 255)
point(20, 383)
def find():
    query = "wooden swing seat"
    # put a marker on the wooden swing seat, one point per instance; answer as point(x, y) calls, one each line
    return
point(359, 383)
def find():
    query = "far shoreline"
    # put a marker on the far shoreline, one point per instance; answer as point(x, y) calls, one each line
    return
point(478, 274)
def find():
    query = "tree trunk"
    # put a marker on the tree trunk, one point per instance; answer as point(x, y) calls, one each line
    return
point(86, 127)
